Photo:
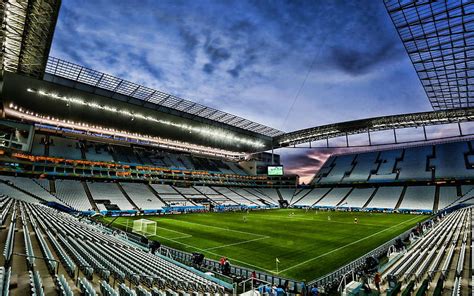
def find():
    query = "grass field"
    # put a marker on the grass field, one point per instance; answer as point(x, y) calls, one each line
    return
point(307, 244)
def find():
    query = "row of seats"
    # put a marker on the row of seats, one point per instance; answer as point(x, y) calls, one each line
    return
point(431, 258)
point(409, 198)
point(102, 258)
point(125, 195)
point(442, 161)
point(73, 149)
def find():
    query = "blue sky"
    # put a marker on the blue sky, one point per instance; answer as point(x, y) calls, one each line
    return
point(251, 57)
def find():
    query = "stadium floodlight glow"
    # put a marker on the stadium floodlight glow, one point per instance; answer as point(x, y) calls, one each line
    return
point(208, 132)
point(14, 111)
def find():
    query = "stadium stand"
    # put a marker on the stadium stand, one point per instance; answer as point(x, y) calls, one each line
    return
point(386, 166)
point(335, 169)
point(358, 198)
point(450, 161)
point(386, 198)
point(364, 164)
point(233, 196)
point(333, 198)
point(102, 258)
point(447, 195)
point(308, 197)
point(73, 194)
point(413, 164)
point(438, 257)
point(445, 161)
point(109, 194)
point(418, 198)
point(31, 186)
point(142, 196)
point(64, 148)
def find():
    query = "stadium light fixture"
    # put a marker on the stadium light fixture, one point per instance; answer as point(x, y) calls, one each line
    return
point(14, 111)
point(207, 132)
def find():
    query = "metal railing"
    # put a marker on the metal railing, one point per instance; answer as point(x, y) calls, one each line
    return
point(237, 271)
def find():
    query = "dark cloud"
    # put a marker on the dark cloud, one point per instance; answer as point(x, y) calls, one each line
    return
point(208, 68)
point(357, 61)
point(190, 41)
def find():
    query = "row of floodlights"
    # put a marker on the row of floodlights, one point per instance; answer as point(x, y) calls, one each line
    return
point(207, 132)
point(167, 143)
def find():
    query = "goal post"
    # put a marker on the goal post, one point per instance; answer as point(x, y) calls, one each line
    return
point(144, 227)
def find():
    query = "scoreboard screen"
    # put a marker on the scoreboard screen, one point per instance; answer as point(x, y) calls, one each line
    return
point(275, 170)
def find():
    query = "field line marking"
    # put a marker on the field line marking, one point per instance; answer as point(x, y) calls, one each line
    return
point(171, 230)
point(342, 247)
point(238, 243)
point(221, 228)
point(179, 237)
point(333, 221)
point(205, 251)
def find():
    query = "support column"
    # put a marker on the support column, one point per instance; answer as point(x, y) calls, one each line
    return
point(368, 133)
point(460, 129)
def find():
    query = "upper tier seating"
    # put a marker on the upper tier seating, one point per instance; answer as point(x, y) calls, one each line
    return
point(98, 152)
point(109, 192)
point(38, 147)
point(68, 148)
point(364, 164)
point(422, 163)
point(413, 166)
point(335, 169)
point(450, 161)
point(64, 148)
point(385, 198)
point(386, 168)
point(72, 192)
point(418, 198)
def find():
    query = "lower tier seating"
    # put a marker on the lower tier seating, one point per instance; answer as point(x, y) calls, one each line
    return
point(108, 264)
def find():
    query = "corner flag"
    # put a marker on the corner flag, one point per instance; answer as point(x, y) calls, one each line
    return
point(276, 263)
point(277, 260)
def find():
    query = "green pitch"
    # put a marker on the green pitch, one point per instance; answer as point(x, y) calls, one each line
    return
point(307, 244)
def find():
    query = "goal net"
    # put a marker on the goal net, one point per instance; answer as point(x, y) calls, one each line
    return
point(144, 227)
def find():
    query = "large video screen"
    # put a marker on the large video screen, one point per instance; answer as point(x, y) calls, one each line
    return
point(275, 170)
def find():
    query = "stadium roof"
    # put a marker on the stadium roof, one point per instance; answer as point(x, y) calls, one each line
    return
point(368, 125)
point(439, 38)
point(26, 35)
point(108, 82)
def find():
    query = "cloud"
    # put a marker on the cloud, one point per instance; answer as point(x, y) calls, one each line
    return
point(361, 61)
point(250, 57)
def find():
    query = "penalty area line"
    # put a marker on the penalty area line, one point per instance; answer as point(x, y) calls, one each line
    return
point(237, 243)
